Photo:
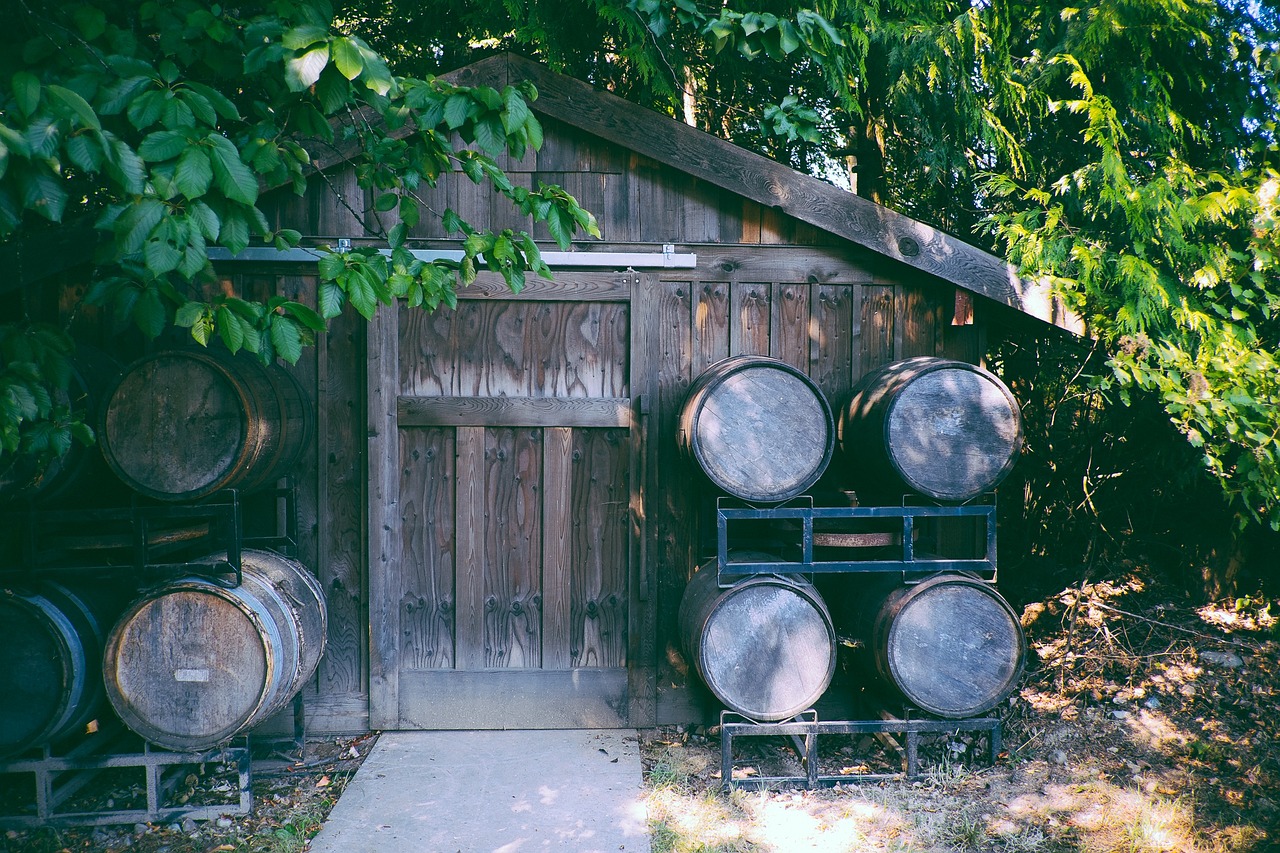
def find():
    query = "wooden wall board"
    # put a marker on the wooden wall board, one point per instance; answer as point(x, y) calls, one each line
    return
point(600, 499)
point(581, 698)
point(427, 591)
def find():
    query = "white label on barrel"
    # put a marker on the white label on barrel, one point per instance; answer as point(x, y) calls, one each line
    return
point(191, 675)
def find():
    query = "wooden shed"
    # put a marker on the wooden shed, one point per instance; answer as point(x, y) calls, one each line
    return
point(494, 501)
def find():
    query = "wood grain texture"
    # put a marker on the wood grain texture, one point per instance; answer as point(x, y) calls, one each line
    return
point(750, 306)
point(516, 698)
point(470, 529)
point(642, 644)
point(875, 339)
point(558, 525)
point(384, 518)
point(710, 323)
point(765, 647)
point(342, 566)
point(832, 364)
point(674, 492)
point(944, 429)
point(515, 411)
point(509, 348)
point(512, 531)
point(774, 186)
point(600, 497)
point(427, 494)
point(790, 326)
point(951, 645)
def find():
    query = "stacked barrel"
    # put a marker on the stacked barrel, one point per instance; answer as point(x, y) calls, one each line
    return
point(191, 660)
point(932, 429)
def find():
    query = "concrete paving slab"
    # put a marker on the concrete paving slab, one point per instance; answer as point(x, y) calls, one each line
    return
point(493, 792)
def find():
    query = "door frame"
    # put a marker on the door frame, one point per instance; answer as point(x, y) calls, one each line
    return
point(387, 410)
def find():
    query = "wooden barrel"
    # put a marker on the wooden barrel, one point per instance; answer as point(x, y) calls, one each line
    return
point(50, 664)
point(944, 429)
point(951, 645)
point(183, 424)
point(760, 429)
point(194, 663)
point(765, 646)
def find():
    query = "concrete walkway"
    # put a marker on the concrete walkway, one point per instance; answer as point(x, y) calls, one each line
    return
point(493, 792)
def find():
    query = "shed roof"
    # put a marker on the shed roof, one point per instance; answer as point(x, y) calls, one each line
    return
point(687, 149)
point(723, 164)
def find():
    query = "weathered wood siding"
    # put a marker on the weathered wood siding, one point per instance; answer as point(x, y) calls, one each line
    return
point(467, 454)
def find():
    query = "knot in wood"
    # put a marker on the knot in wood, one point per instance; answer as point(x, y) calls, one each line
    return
point(490, 604)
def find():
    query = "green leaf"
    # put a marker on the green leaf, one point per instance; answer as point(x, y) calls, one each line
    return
point(43, 136)
point(194, 173)
point(42, 192)
point(26, 91)
point(146, 109)
point(161, 257)
point(149, 314)
point(331, 265)
point(83, 150)
point(221, 103)
point(451, 222)
point(396, 234)
point(304, 36)
point(123, 165)
point(305, 315)
point(163, 145)
point(189, 313)
point(230, 328)
point(77, 105)
point(456, 110)
point(90, 21)
point(205, 217)
point(515, 111)
point(361, 292)
point(346, 56)
point(560, 224)
point(301, 72)
point(137, 222)
point(385, 202)
point(331, 299)
point(236, 181)
point(235, 232)
point(490, 135)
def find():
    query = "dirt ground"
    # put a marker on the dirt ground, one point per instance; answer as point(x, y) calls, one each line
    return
point(1143, 724)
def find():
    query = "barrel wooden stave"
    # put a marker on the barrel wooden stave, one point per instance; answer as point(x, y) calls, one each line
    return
point(183, 424)
point(193, 663)
point(760, 429)
point(951, 645)
point(945, 429)
point(765, 646)
point(50, 673)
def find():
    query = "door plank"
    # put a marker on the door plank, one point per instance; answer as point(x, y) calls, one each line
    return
point(384, 557)
point(514, 411)
point(470, 508)
point(515, 699)
point(557, 527)
point(600, 494)
point(427, 570)
point(512, 568)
